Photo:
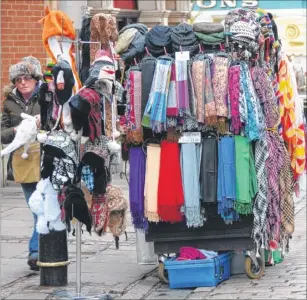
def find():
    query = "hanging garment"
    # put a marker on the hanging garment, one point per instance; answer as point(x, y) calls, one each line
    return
point(155, 111)
point(151, 182)
point(208, 170)
point(246, 180)
point(202, 81)
point(226, 186)
point(234, 95)
point(274, 164)
point(148, 65)
point(260, 202)
point(172, 109)
point(182, 90)
point(135, 93)
point(190, 169)
point(170, 191)
point(220, 89)
point(286, 184)
point(137, 161)
point(99, 213)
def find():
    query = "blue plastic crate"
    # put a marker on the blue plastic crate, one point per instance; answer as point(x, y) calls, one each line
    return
point(198, 273)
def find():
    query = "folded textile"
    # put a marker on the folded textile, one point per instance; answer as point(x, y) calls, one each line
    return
point(170, 190)
point(246, 179)
point(226, 187)
point(190, 253)
point(190, 169)
point(208, 27)
point(211, 38)
point(124, 40)
point(137, 161)
point(151, 182)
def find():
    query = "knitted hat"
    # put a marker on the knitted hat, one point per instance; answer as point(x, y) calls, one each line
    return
point(64, 81)
point(242, 29)
point(24, 68)
point(208, 27)
point(184, 38)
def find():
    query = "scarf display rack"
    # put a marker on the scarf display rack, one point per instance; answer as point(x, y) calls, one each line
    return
point(216, 137)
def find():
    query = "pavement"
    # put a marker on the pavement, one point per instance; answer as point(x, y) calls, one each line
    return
point(116, 272)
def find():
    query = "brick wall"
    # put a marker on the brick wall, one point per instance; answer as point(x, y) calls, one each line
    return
point(21, 34)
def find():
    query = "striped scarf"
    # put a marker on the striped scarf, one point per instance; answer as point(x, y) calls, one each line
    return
point(260, 202)
point(172, 101)
point(155, 111)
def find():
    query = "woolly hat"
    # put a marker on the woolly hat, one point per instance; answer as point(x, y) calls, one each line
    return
point(158, 37)
point(24, 68)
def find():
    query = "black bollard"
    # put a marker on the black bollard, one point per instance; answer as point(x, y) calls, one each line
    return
point(53, 258)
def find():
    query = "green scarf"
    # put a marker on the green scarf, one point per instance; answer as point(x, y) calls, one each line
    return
point(246, 180)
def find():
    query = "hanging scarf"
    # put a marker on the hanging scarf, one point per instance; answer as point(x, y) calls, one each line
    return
point(208, 170)
point(148, 65)
point(286, 183)
point(246, 181)
point(170, 191)
point(100, 214)
point(151, 182)
point(155, 111)
point(234, 94)
point(260, 203)
point(182, 90)
point(172, 104)
point(137, 162)
point(226, 185)
point(220, 89)
point(274, 164)
point(190, 168)
point(248, 109)
point(202, 80)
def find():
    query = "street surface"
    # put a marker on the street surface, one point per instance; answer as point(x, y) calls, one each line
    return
point(107, 270)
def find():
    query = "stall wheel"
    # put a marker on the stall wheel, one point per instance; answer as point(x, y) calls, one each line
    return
point(162, 273)
point(252, 271)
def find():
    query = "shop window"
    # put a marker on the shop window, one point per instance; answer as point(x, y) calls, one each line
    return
point(123, 21)
point(170, 5)
point(125, 4)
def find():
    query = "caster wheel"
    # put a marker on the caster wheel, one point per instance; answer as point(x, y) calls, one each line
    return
point(162, 273)
point(251, 270)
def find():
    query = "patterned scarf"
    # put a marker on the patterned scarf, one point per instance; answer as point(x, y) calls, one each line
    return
point(234, 95)
point(137, 161)
point(100, 213)
point(202, 81)
point(260, 203)
point(220, 89)
point(226, 184)
point(151, 182)
point(249, 112)
point(190, 168)
point(170, 191)
point(172, 101)
point(246, 181)
point(155, 111)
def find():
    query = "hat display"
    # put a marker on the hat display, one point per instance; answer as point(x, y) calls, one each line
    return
point(79, 110)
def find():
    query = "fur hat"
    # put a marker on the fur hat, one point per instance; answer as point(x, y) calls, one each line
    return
point(24, 68)
point(34, 62)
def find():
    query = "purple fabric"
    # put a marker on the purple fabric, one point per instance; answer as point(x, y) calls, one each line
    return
point(137, 161)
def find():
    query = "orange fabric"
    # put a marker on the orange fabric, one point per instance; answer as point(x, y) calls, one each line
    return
point(56, 23)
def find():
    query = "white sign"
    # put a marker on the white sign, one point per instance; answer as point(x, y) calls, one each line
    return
point(190, 138)
point(226, 3)
point(182, 56)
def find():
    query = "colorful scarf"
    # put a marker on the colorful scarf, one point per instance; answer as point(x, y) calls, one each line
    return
point(201, 74)
point(260, 202)
point(151, 182)
point(155, 111)
point(220, 89)
point(234, 95)
point(170, 191)
point(246, 181)
point(172, 109)
point(248, 106)
point(100, 213)
point(226, 184)
point(190, 169)
point(182, 90)
point(137, 162)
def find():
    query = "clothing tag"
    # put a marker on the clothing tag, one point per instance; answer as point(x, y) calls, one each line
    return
point(181, 56)
point(190, 138)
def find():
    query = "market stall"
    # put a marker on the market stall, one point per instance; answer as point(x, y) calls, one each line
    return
point(216, 136)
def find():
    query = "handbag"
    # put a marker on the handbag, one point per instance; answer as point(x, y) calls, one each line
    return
point(27, 170)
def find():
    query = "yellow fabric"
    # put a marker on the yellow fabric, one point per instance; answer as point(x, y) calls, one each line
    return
point(27, 170)
point(151, 182)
